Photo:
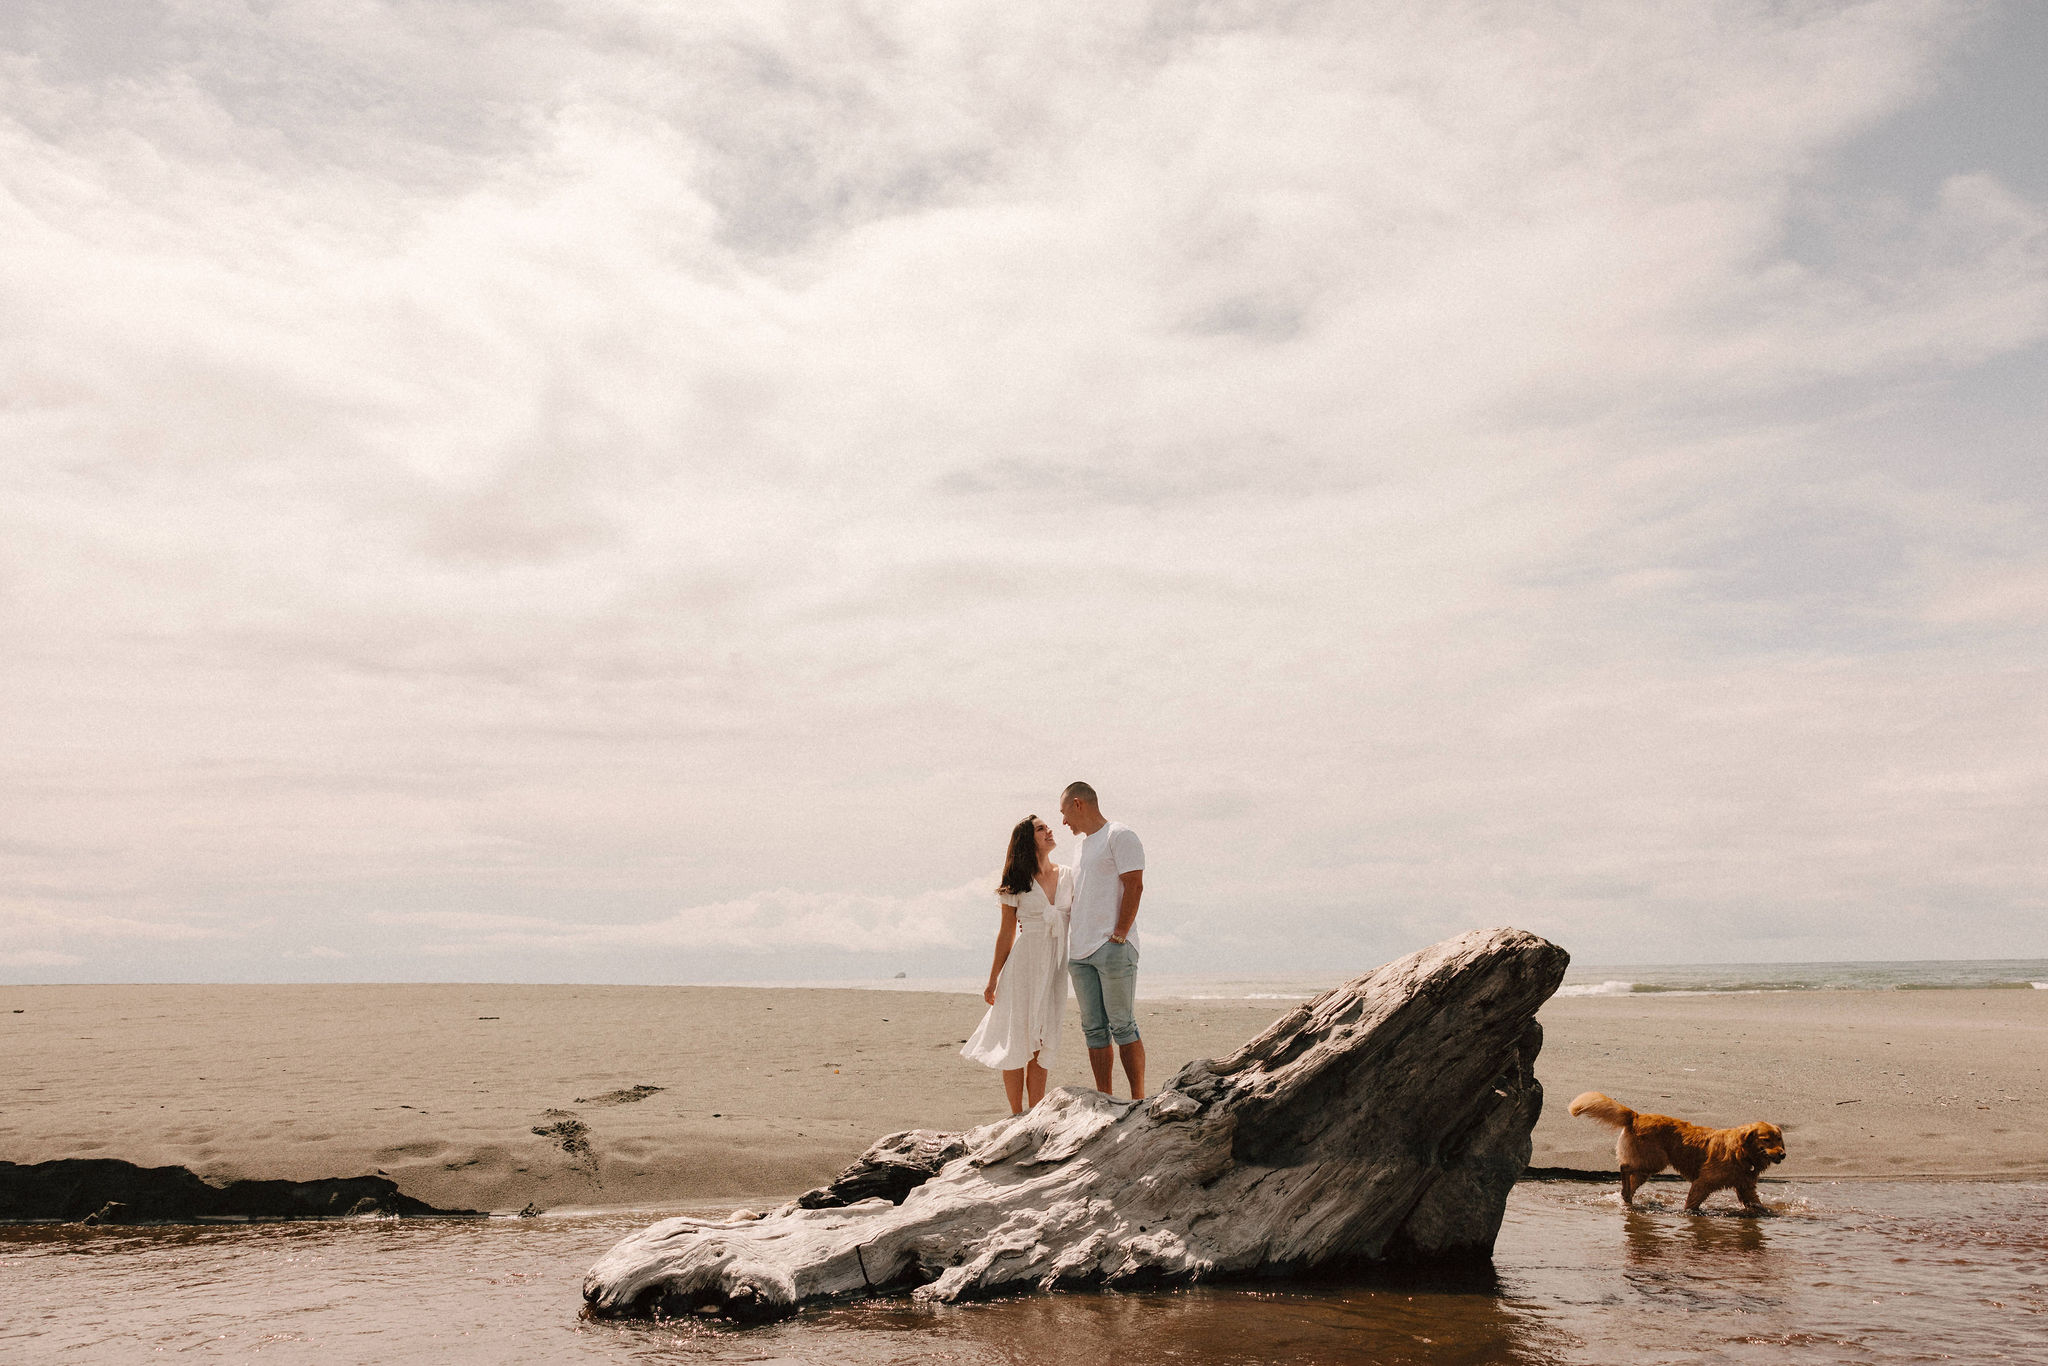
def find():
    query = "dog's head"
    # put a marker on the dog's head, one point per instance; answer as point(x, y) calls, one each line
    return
point(1763, 1144)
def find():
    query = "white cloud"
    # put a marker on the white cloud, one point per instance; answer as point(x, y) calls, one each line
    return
point(1431, 464)
point(46, 935)
point(772, 922)
point(38, 958)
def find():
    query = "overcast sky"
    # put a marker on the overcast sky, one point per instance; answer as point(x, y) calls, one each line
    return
point(639, 491)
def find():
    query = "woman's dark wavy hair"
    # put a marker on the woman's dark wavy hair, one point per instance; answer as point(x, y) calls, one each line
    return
point(1020, 865)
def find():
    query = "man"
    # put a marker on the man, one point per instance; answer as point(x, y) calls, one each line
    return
point(1102, 950)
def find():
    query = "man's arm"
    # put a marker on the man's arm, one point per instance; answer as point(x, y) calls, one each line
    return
point(1127, 911)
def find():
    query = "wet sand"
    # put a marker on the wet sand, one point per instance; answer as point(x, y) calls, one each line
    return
point(755, 1094)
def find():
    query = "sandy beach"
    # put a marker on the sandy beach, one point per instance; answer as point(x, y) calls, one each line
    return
point(760, 1093)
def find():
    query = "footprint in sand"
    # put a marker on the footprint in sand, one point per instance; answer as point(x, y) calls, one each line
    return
point(572, 1136)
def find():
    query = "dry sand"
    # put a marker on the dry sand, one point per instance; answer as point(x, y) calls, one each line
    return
point(764, 1092)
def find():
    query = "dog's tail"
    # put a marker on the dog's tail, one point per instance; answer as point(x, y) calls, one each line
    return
point(1596, 1106)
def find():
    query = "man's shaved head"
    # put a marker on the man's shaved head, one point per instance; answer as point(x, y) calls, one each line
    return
point(1080, 792)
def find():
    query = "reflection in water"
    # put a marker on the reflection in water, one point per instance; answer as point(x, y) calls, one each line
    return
point(1654, 1240)
point(1843, 1273)
point(1209, 1325)
point(1703, 1260)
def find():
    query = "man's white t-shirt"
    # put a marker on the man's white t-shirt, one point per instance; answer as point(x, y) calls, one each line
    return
point(1098, 887)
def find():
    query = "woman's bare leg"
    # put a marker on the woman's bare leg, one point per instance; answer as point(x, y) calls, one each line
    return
point(1013, 1087)
point(1034, 1080)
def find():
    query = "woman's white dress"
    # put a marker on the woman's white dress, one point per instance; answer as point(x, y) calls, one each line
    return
point(1032, 990)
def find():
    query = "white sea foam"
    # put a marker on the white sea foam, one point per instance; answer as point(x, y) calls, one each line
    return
point(1597, 989)
point(2039, 986)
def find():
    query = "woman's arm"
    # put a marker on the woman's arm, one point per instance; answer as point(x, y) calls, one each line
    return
point(1005, 937)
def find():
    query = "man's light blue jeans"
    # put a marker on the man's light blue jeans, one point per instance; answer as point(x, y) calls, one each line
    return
point(1106, 985)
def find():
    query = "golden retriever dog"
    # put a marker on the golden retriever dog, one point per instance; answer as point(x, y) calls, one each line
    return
point(1712, 1159)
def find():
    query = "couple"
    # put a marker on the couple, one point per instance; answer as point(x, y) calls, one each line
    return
point(1036, 951)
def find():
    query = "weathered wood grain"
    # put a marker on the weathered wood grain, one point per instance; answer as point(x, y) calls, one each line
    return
point(1383, 1122)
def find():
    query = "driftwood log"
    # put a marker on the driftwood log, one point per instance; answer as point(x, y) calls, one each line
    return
point(1382, 1123)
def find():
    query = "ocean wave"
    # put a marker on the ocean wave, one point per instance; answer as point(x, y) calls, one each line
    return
point(1619, 988)
point(1966, 986)
point(1732, 979)
point(1597, 989)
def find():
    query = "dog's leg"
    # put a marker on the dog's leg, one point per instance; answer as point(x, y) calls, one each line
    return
point(1697, 1194)
point(1629, 1182)
point(1745, 1186)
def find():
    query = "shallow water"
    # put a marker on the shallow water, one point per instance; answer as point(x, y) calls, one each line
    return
point(1845, 1272)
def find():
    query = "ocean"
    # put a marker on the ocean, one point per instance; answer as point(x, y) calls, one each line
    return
point(1871, 1273)
point(1942, 974)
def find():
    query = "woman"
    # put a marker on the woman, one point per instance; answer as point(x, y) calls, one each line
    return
point(1027, 983)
